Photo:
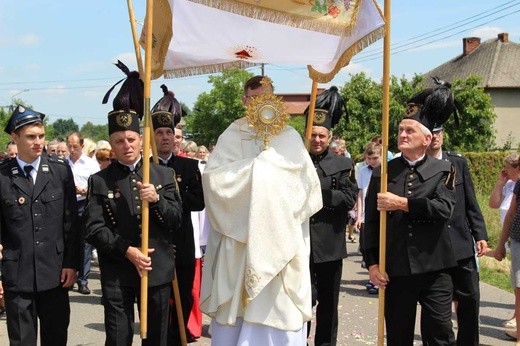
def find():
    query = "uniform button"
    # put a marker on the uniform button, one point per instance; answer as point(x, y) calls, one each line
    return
point(136, 198)
point(410, 226)
point(449, 226)
point(138, 207)
point(410, 184)
point(138, 217)
point(411, 176)
point(410, 234)
point(37, 229)
point(35, 201)
point(37, 243)
point(133, 180)
point(35, 214)
point(134, 189)
point(409, 192)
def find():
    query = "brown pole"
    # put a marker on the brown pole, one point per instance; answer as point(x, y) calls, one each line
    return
point(143, 318)
point(137, 49)
point(310, 116)
point(384, 173)
point(147, 132)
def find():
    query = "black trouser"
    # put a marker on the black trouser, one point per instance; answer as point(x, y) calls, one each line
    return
point(185, 274)
point(24, 309)
point(119, 314)
point(434, 292)
point(466, 292)
point(326, 280)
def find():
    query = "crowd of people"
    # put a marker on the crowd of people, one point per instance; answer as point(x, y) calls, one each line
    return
point(255, 263)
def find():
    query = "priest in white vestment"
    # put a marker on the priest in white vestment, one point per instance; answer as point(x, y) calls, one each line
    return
point(256, 280)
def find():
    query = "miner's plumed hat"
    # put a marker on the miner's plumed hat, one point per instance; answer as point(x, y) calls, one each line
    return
point(127, 104)
point(329, 108)
point(433, 106)
point(22, 116)
point(167, 112)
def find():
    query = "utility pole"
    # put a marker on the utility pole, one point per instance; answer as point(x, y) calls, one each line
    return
point(262, 67)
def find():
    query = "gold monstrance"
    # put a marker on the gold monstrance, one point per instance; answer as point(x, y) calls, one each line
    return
point(266, 113)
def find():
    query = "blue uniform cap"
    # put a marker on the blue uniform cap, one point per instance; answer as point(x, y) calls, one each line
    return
point(22, 116)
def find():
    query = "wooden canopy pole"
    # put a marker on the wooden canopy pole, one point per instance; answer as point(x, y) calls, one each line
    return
point(384, 173)
point(310, 116)
point(133, 26)
point(143, 318)
point(146, 153)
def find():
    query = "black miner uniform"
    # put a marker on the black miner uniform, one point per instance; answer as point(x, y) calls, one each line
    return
point(188, 177)
point(418, 241)
point(38, 232)
point(466, 227)
point(113, 217)
point(328, 246)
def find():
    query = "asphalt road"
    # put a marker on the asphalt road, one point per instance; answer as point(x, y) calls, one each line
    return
point(357, 313)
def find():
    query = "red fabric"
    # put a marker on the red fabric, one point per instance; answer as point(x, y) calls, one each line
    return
point(195, 321)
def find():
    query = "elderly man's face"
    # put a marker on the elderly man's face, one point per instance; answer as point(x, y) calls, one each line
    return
point(164, 140)
point(410, 137)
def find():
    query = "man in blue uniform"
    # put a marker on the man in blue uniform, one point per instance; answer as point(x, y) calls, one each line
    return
point(38, 232)
point(468, 233)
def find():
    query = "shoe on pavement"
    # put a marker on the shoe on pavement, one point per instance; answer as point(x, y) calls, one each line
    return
point(83, 289)
point(511, 334)
point(510, 323)
point(371, 288)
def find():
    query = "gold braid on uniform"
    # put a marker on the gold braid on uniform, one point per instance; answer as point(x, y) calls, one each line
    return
point(450, 179)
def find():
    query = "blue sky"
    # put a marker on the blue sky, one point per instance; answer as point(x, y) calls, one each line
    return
point(58, 55)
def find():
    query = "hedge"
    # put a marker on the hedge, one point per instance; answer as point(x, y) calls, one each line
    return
point(484, 168)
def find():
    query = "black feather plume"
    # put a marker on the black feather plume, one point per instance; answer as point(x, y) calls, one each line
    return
point(438, 103)
point(131, 93)
point(168, 103)
point(332, 101)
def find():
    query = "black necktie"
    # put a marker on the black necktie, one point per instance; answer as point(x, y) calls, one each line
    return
point(28, 169)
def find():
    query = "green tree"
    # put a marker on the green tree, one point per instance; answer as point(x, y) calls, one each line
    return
point(364, 104)
point(476, 131)
point(214, 111)
point(62, 127)
point(94, 132)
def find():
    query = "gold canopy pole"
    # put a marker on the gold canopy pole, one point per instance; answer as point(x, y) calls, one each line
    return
point(310, 116)
point(143, 318)
point(384, 173)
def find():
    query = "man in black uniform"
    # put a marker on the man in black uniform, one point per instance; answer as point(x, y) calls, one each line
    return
point(419, 254)
point(38, 232)
point(166, 114)
point(327, 226)
point(467, 230)
point(113, 223)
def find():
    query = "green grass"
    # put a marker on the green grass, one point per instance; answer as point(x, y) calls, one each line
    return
point(496, 278)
